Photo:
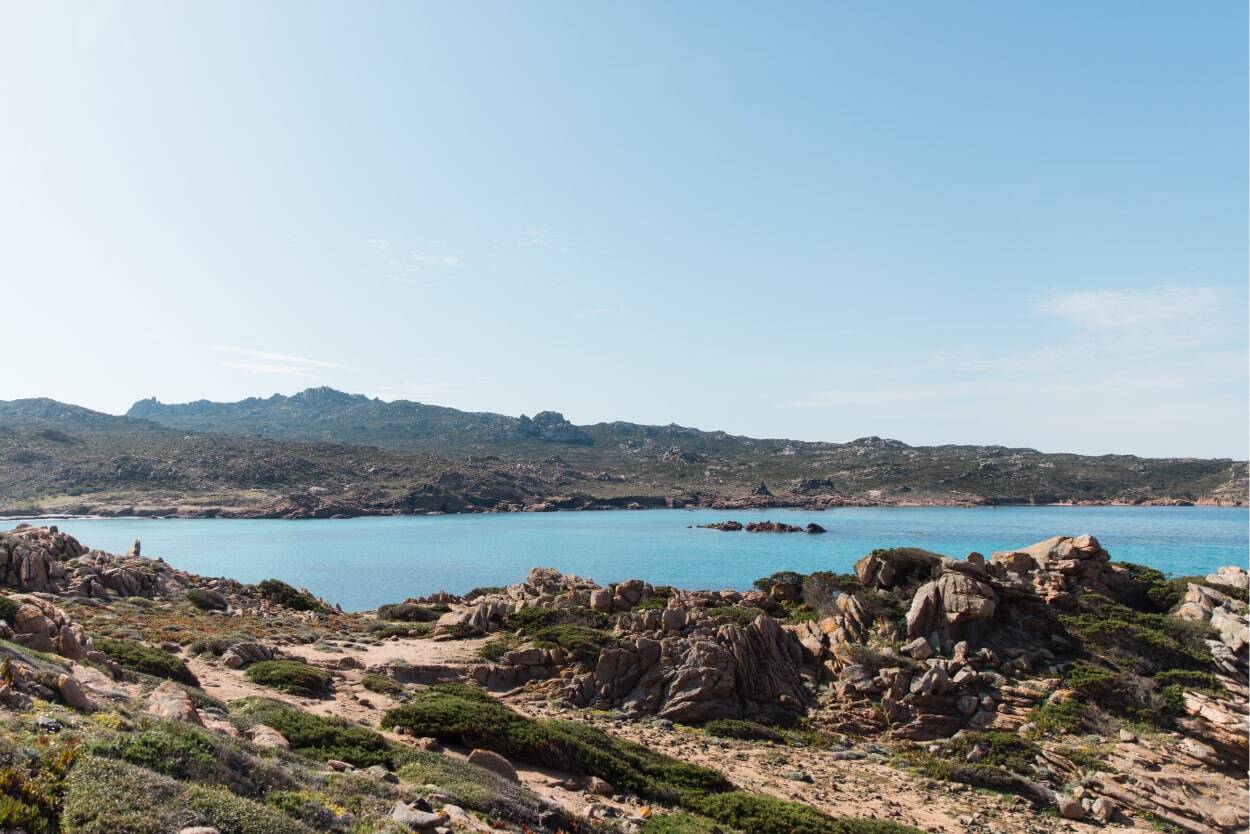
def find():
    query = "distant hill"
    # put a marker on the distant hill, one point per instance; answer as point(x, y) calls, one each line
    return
point(324, 452)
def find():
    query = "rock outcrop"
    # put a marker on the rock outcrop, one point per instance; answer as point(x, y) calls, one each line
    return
point(44, 560)
point(678, 664)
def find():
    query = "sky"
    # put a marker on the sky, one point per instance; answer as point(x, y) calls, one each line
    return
point(971, 222)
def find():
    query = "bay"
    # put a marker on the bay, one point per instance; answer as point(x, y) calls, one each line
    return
point(361, 563)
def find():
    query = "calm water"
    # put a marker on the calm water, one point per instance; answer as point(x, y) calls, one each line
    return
point(361, 563)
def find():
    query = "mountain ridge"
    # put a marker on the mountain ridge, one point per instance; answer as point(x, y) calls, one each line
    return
point(325, 453)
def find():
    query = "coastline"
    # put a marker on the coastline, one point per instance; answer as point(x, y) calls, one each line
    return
point(270, 514)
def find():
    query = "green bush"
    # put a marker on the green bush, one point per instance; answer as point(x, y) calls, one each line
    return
point(149, 660)
point(280, 593)
point(741, 615)
point(292, 676)
point(529, 620)
point(1136, 664)
point(784, 577)
point(317, 737)
point(744, 730)
point(459, 713)
point(584, 644)
point(207, 600)
point(381, 684)
point(407, 612)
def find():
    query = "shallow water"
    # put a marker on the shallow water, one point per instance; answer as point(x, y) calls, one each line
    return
point(364, 562)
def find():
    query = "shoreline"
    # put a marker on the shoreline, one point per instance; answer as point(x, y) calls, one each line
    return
point(231, 514)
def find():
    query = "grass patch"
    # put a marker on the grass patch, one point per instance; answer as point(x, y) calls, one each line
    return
point(293, 676)
point(149, 660)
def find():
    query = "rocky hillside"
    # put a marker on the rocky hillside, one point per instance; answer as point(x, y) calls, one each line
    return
point(1037, 691)
point(323, 453)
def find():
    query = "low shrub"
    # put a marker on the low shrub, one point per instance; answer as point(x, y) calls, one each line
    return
point(473, 787)
point(108, 797)
point(315, 736)
point(207, 600)
point(820, 589)
point(465, 715)
point(784, 577)
point(740, 615)
point(482, 591)
point(744, 730)
point(760, 814)
point(31, 787)
point(529, 620)
point(184, 752)
point(230, 814)
point(460, 713)
point(407, 612)
point(583, 643)
point(682, 823)
point(292, 676)
point(149, 660)
point(381, 684)
point(280, 593)
point(493, 650)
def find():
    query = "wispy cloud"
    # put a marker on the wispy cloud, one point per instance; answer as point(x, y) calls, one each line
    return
point(1153, 311)
point(1172, 353)
point(266, 362)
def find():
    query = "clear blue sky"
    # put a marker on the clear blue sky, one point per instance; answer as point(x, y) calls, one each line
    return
point(971, 222)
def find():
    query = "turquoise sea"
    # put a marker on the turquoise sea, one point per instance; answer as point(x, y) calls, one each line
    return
point(364, 562)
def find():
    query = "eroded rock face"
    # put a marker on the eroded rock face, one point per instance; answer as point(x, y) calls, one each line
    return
point(42, 626)
point(677, 664)
point(42, 559)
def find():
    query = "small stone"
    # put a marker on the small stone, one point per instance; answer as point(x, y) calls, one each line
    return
point(1127, 736)
point(415, 819)
point(495, 763)
point(1103, 809)
point(1069, 808)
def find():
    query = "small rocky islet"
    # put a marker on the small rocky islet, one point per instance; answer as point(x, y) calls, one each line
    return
point(1044, 689)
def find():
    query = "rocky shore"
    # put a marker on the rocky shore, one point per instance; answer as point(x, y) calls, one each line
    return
point(1043, 689)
